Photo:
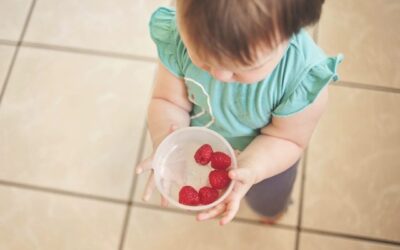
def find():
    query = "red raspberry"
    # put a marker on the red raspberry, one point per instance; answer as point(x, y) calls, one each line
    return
point(189, 196)
point(208, 195)
point(220, 160)
point(219, 179)
point(203, 154)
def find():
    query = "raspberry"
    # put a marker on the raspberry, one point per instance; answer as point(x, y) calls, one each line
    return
point(220, 160)
point(208, 195)
point(189, 196)
point(203, 154)
point(219, 179)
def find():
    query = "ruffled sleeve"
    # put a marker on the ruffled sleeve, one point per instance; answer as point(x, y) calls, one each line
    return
point(163, 32)
point(309, 85)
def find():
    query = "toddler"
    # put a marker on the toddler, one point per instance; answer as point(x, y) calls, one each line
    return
point(249, 71)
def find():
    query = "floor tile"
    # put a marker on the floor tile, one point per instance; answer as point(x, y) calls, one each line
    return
point(352, 174)
point(118, 26)
point(13, 14)
point(245, 211)
point(6, 53)
point(368, 35)
point(152, 229)
point(310, 241)
point(73, 122)
point(38, 220)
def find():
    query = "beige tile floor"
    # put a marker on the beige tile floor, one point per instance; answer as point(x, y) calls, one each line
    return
point(72, 108)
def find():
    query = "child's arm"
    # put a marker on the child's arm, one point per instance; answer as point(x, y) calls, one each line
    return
point(169, 105)
point(279, 146)
point(169, 109)
point(282, 142)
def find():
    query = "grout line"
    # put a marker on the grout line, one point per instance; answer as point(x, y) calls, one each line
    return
point(259, 223)
point(62, 192)
point(8, 42)
point(132, 189)
point(366, 86)
point(7, 78)
point(301, 200)
point(18, 45)
point(355, 84)
point(177, 211)
point(135, 178)
point(236, 220)
point(300, 227)
point(350, 236)
point(125, 223)
point(14, 57)
point(89, 51)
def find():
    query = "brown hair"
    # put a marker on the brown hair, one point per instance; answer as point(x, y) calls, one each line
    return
point(233, 29)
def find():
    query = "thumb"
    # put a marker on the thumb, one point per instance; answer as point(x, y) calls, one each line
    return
point(243, 175)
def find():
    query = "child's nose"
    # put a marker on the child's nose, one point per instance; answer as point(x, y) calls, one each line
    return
point(222, 75)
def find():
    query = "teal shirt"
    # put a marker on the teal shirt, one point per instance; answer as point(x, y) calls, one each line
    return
point(238, 111)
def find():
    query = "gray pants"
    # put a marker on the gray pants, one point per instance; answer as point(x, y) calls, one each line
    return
point(271, 196)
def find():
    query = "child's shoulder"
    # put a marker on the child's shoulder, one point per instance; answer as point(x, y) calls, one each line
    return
point(163, 19)
point(164, 33)
point(304, 58)
point(303, 48)
point(163, 28)
point(306, 70)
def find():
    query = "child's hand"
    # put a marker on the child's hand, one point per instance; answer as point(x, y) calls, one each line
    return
point(147, 165)
point(244, 178)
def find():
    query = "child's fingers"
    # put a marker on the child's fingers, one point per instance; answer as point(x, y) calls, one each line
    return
point(243, 175)
point(147, 163)
point(233, 202)
point(238, 192)
point(164, 202)
point(231, 211)
point(212, 213)
point(149, 187)
point(144, 165)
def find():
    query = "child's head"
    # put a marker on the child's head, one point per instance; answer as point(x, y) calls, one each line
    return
point(242, 40)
